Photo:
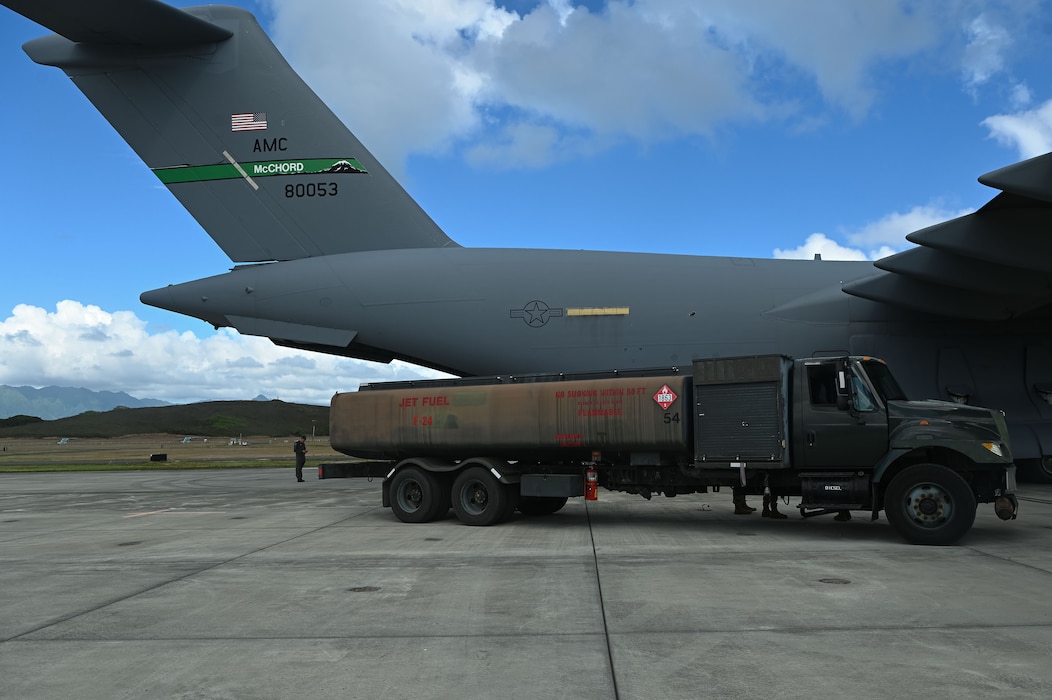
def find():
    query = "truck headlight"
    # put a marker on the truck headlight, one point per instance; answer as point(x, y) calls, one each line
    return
point(994, 447)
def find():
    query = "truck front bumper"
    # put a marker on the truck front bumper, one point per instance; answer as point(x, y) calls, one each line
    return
point(1007, 505)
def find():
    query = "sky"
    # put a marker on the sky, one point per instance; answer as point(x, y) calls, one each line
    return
point(750, 128)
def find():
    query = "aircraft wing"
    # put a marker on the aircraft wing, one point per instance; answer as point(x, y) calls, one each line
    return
point(993, 264)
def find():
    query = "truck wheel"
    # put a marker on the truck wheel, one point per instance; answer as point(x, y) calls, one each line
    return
point(930, 504)
point(541, 505)
point(480, 499)
point(416, 495)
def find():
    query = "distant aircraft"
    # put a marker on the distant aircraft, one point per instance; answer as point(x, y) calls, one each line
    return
point(335, 257)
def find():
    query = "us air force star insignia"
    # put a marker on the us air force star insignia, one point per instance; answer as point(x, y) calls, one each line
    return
point(536, 313)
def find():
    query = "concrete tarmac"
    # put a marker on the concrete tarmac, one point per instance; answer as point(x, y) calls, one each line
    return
point(246, 584)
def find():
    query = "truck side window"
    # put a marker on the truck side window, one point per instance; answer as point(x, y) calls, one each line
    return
point(821, 383)
point(863, 397)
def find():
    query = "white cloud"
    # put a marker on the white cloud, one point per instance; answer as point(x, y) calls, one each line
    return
point(984, 54)
point(617, 73)
point(1020, 95)
point(819, 244)
point(873, 241)
point(835, 44)
point(83, 346)
point(529, 145)
point(890, 230)
point(563, 8)
point(394, 70)
point(1029, 131)
point(411, 77)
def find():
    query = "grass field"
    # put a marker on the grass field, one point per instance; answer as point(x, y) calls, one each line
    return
point(134, 452)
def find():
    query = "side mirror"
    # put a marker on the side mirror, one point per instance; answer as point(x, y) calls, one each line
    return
point(843, 391)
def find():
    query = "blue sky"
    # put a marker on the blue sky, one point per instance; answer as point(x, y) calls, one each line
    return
point(757, 128)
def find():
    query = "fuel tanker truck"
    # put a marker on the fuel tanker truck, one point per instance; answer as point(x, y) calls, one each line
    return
point(837, 432)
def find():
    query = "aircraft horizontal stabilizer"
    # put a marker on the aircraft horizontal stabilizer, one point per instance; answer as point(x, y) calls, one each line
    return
point(123, 22)
point(993, 264)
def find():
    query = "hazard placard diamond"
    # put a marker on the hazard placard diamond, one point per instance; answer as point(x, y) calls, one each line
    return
point(665, 397)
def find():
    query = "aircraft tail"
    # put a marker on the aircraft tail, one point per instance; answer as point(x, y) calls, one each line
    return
point(212, 107)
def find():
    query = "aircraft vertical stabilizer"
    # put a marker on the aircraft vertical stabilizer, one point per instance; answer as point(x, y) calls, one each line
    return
point(213, 108)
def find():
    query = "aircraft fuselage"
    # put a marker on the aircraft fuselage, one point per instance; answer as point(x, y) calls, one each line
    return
point(504, 311)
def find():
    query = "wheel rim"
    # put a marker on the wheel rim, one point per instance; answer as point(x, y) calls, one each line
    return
point(928, 505)
point(410, 496)
point(474, 497)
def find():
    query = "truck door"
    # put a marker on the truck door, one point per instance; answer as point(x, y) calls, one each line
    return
point(832, 436)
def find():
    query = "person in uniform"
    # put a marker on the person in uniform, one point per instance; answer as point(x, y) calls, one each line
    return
point(300, 448)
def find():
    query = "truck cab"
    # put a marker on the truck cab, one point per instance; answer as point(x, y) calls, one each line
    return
point(860, 443)
point(840, 433)
point(841, 417)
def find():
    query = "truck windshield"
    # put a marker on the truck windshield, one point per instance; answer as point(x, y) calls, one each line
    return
point(883, 381)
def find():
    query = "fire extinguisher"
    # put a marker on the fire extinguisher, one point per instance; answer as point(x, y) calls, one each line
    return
point(591, 484)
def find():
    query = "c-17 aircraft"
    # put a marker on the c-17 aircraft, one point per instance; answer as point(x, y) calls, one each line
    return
point(333, 256)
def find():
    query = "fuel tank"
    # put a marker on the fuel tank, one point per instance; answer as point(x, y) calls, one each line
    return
point(564, 419)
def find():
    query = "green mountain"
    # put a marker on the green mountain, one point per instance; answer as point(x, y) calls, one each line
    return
point(209, 419)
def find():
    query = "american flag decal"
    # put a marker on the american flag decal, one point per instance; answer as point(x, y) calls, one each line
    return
point(249, 121)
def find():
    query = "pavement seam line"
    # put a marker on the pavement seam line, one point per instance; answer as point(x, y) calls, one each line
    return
point(602, 604)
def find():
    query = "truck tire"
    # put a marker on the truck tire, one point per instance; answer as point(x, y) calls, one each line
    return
point(541, 505)
point(930, 504)
point(479, 498)
point(417, 495)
